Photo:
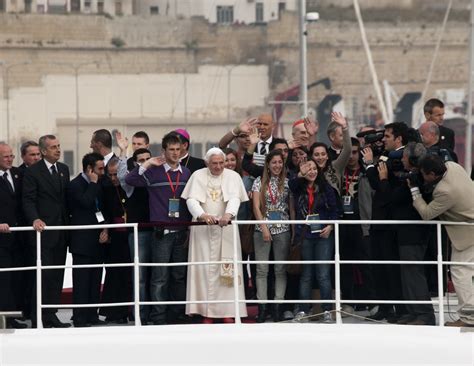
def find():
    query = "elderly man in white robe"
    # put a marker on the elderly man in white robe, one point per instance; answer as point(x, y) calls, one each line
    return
point(213, 196)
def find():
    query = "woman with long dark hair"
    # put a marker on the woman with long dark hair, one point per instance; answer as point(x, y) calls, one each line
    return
point(333, 169)
point(315, 200)
point(271, 201)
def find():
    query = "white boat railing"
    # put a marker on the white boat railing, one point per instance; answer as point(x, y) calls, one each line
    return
point(236, 301)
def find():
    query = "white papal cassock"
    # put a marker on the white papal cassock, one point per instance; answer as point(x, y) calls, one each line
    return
point(215, 195)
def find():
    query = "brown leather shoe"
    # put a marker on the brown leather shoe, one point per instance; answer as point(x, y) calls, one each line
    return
point(458, 323)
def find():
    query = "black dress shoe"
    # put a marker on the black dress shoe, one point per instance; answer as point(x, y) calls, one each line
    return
point(262, 313)
point(82, 325)
point(15, 324)
point(276, 313)
point(54, 322)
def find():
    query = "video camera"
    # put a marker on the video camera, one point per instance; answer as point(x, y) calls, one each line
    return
point(372, 139)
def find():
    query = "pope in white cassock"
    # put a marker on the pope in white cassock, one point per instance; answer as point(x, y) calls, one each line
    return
point(213, 195)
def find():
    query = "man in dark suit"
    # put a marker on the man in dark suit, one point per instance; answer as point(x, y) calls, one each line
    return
point(84, 195)
point(434, 111)
point(30, 154)
point(44, 203)
point(187, 160)
point(10, 199)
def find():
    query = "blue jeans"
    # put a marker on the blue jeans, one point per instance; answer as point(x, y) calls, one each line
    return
point(168, 283)
point(145, 240)
point(316, 249)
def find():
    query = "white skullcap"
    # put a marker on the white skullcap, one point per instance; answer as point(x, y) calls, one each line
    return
point(213, 151)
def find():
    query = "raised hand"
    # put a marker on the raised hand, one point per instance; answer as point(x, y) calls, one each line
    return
point(367, 155)
point(254, 137)
point(293, 144)
point(304, 168)
point(383, 171)
point(339, 119)
point(247, 126)
point(312, 127)
point(122, 141)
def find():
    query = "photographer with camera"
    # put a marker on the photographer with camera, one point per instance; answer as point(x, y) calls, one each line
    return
point(453, 200)
point(408, 240)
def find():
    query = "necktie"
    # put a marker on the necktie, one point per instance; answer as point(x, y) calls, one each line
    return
point(54, 172)
point(5, 178)
point(263, 151)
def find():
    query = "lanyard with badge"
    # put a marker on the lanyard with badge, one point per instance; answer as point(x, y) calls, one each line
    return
point(273, 214)
point(173, 203)
point(315, 228)
point(347, 200)
point(98, 213)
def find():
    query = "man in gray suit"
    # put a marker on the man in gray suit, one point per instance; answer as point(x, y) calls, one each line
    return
point(453, 200)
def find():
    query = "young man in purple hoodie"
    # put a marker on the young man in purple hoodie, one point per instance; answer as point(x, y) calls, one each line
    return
point(165, 179)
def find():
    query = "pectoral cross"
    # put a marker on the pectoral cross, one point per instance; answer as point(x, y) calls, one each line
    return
point(214, 194)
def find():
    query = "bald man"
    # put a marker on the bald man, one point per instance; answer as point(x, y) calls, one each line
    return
point(430, 135)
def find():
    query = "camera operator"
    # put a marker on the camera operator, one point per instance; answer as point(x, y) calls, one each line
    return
point(430, 136)
point(453, 200)
point(387, 277)
point(408, 240)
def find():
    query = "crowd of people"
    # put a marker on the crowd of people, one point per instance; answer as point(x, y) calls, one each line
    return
point(184, 206)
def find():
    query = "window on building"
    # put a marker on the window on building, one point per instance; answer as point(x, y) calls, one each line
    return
point(225, 14)
point(87, 6)
point(118, 8)
point(154, 10)
point(281, 7)
point(75, 6)
point(259, 13)
point(2, 6)
point(100, 7)
point(28, 6)
point(57, 6)
point(68, 159)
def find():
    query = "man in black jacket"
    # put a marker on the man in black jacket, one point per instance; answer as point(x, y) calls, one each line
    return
point(44, 203)
point(84, 195)
point(10, 199)
point(434, 112)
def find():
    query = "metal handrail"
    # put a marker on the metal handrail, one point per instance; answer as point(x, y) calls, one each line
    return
point(236, 301)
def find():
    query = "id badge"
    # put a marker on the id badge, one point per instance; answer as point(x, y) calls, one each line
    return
point(274, 215)
point(347, 204)
point(315, 228)
point(99, 216)
point(173, 207)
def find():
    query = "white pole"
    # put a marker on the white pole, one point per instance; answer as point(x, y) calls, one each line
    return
point(39, 315)
point(235, 232)
point(303, 58)
point(388, 100)
point(468, 147)
point(373, 73)
point(440, 276)
point(337, 274)
point(136, 276)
